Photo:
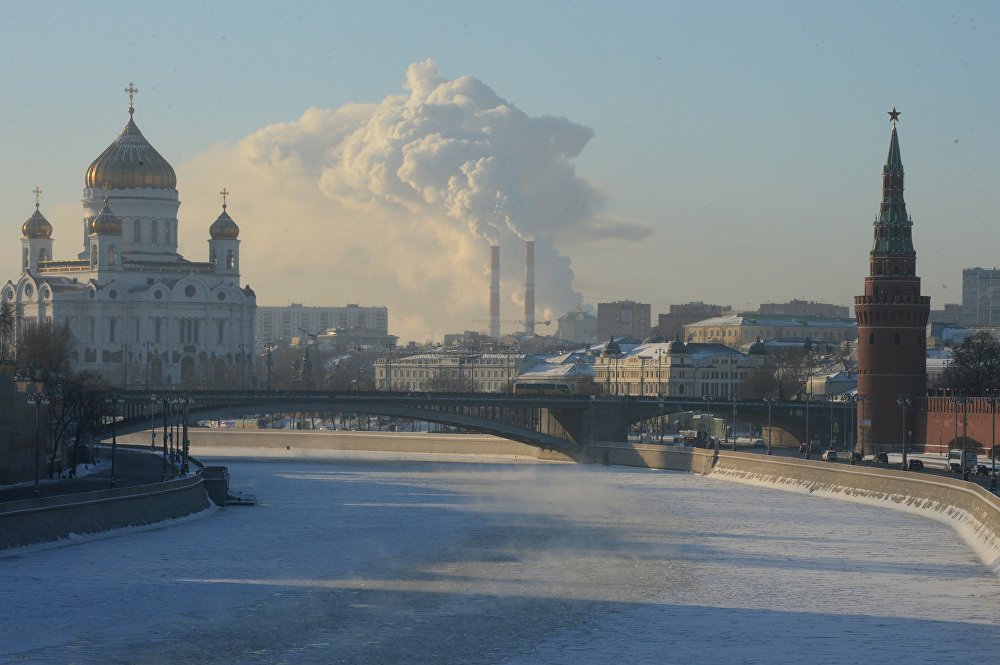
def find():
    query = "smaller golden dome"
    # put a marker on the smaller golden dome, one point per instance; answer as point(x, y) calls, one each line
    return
point(224, 228)
point(37, 226)
point(106, 222)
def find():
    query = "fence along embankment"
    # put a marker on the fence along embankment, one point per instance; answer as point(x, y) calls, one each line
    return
point(968, 508)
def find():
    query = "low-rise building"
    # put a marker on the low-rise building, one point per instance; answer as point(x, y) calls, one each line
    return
point(676, 369)
point(577, 326)
point(623, 318)
point(744, 329)
point(448, 371)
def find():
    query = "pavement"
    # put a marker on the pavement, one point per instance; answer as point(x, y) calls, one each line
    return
point(132, 467)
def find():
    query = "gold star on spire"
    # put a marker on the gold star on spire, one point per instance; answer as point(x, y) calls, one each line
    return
point(37, 191)
point(224, 193)
point(894, 115)
point(131, 91)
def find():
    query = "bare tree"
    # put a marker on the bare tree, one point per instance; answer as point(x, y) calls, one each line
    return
point(48, 346)
point(975, 369)
point(8, 321)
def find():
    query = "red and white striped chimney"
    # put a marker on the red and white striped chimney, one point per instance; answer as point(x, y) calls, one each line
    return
point(495, 291)
point(529, 287)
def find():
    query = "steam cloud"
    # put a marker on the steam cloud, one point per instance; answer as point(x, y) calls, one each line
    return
point(396, 203)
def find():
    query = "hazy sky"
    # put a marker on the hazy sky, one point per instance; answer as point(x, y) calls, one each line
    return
point(725, 152)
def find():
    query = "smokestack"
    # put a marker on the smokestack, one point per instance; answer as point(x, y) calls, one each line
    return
point(529, 287)
point(495, 291)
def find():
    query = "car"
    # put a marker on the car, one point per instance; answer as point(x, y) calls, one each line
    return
point(758, 443)
point(915, 465)
point(881, 458)
point(857, 457)
point(830, 455)
point(982, 470)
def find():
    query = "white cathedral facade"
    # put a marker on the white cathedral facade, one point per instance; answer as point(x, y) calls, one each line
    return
point(140, 312)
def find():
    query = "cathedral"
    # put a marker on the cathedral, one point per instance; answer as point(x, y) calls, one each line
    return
point(141, 314)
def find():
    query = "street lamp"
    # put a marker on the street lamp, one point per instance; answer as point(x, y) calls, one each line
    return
point(114, 401)
point(708, 428)
point(388, 368)
point(125, 350)
point(163, 405)
point(993, 398)
point(903, 401)
point(242, 350)
point(357, 381)
point(964, 402)
point(269, 346)
point(37, 400)
point(808, 397)
point(147, 346)
point(832, 422)
point(734, 399)
point(770, 402)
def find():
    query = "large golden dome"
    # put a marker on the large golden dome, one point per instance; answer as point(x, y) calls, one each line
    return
point(130, 161)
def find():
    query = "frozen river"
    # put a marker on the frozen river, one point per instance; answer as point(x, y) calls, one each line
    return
point(374, 559)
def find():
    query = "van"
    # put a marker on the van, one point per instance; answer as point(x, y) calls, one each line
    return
point(956, 461)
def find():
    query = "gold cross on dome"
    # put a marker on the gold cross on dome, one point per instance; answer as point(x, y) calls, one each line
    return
point(224, 193)
point(37, 191)
point(131, 91)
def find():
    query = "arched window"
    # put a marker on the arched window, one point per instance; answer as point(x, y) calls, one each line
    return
point(24, 257)
point(112, 255)
point(93, 255)
point(137, 231)
point(154, 232)
point(42, 256)
point(214, 259)
point(230, 260)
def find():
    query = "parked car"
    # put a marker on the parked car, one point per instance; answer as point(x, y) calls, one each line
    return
point(881, 458)
point(857, 457)
point(915, 465)
point(829, 455)
point(982, 470)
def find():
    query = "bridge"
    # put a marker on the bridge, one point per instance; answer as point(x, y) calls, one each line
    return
point(562, 423)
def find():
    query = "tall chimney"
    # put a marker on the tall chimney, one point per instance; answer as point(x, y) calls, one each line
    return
point(529, 287)
point(495, 291)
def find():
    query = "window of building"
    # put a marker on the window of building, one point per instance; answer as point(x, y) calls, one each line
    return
point(896, 338)
point(112, 330)
point(871, 338)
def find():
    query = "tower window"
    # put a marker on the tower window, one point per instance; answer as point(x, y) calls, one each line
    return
point(871, 338)
point(897, 339)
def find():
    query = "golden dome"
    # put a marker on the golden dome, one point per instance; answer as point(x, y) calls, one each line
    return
point(37, 226)
point(130, 161)
point(106, 223)
point(224, 227)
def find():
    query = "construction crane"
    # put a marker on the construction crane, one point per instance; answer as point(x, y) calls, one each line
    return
point(515, 321)
point(313, 335)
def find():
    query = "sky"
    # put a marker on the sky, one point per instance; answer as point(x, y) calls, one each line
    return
point(661, 152)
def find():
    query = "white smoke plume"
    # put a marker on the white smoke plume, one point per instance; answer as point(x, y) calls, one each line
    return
point(396, 203)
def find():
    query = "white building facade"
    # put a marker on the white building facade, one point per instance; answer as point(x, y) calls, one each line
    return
point(140, 312)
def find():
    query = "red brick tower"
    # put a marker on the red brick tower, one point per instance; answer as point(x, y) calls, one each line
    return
point(892, 319)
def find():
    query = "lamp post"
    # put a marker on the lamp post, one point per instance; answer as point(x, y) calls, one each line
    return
point(269, 346)
point(994, 398)
point(708, 429)
point(861, 425)
point(734, 399)
point(185, 401)
point(37, 400)
point(388, 368)
point(147, 346)
point(642, 376)
point(242, 350)
point(770, 402)
point(125, 350)
point(357, 380)
point(832, 422)
point(903, 401)
point(808, 397)
point(152, 426)
point(963, 401)
point(114, 401)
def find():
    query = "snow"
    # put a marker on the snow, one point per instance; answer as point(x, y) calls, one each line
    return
point(382, 558)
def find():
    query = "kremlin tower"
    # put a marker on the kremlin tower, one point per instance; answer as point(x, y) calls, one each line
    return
point(892, 320)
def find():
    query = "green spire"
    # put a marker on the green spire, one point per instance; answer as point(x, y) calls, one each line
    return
point(892, 228)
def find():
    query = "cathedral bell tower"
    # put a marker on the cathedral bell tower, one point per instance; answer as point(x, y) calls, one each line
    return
point(224, 247)
point(892, 320)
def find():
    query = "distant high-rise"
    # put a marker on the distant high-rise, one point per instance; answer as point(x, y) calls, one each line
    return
point(623, 318)
point(981, 297)
point(805, 308)
point(671, 325)
point(274, 323)
point(892, 318)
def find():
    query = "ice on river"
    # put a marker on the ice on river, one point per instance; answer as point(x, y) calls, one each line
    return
point(364, 558)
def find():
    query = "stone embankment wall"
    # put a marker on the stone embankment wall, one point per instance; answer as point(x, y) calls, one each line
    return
point(51, 518)
point(393, 442)
point(971, 510)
